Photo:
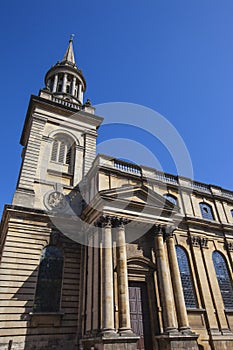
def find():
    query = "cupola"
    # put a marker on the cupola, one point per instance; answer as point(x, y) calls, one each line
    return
point(65, 80)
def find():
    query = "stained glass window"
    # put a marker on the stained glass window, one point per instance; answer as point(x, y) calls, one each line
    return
point(206, 211)
point(49, 283)
point(186, 278)
point(224, 279)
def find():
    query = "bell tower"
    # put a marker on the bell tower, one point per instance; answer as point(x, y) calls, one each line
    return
point(59, 136)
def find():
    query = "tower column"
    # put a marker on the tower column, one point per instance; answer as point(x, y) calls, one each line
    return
point(168, 311)
point(80, 93)
point(176, 282)
point(122, 278)
point(107, 273)
point(64, 82)
point(73, 86)
point(55, 83)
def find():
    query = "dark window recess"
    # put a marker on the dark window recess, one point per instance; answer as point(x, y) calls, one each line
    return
point(170, 198)
point(224, 279)
point(206, 211)
point(49, 283)
point(186, 278)
point(232, 212)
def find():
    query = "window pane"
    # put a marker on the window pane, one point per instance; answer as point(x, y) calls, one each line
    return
point(224, 279)
point(171, 198)
point(206, 211)
point(186, 278)
point(48, 291)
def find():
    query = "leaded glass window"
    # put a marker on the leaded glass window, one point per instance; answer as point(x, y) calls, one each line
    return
point(224, 279)
point(49, 283)
point(170, 198)
point(206, 211)
point(186, 278)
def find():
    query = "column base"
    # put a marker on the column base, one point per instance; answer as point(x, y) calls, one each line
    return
point(177, 341)
point(115, 342)
point(127, 332)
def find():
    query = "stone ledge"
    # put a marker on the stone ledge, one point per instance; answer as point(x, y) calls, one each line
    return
point(45, 318)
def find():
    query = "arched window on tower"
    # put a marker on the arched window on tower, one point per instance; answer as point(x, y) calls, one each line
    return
point(224, 279)
point(63, 151)
point(206, 211)
point(186, 278)
point(49, 283)
point(171, 198)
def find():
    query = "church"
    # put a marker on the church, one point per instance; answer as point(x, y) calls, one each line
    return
point(101, 254)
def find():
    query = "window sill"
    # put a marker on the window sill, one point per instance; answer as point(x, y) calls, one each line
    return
point(196, 310)
point(229, 311)
point(45, 318)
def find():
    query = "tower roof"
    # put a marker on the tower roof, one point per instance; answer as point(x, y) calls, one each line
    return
point(69, 55)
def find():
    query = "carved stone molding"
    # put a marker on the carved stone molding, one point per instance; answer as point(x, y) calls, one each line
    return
point(197, 241)
point(229, 246)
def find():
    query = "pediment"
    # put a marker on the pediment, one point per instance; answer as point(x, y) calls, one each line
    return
point(138, 196)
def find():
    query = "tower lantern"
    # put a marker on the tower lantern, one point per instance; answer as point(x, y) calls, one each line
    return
point(65, 80)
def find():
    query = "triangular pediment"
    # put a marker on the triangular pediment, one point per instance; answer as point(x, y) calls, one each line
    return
point(138, 196)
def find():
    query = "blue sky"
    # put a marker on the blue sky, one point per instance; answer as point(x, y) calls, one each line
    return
point(174, 56)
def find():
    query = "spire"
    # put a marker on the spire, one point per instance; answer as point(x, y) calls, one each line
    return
point(69, 55)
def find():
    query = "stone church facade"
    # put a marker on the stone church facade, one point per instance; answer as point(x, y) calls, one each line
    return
point(98, 253)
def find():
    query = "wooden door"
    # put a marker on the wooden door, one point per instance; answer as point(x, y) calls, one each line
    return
point(139, 314)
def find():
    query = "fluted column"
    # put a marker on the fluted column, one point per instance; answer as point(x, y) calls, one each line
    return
point(64, 82)
point(55, 83)
point(181, 311)
point(107, 273)
point(168, 311)
point(122, 278)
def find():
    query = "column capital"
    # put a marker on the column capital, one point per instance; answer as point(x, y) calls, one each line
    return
point(104, 221)
point(169, 231)
point(111, 221)
point(120, 222)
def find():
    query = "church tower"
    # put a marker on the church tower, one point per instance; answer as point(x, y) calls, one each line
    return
point(58, 138)
point(41, 267)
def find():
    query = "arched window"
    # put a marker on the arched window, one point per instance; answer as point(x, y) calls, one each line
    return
point(186, 278)
point(171, 198)
point(62, 151)
point(224, 279)
point(206, 211)
point(232, 212)
point(49, 283)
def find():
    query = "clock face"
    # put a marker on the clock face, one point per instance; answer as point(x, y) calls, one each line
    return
point(56, 201)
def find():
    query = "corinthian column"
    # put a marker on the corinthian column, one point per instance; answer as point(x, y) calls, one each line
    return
point(166, 296)
point(107, 273)
point(122, 278)
point(176, 282)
